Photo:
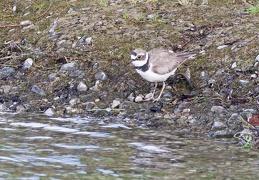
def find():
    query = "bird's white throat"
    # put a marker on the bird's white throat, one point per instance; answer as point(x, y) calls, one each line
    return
point(139, 63)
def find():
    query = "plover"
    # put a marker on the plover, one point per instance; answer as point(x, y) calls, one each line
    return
point(157, 65)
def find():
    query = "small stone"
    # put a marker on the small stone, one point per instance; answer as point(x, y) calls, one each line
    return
point(2, 108)
point(81, 87)
point(203, 75)
point(96, 86)
point(217, 109)
point(217, 125)
point(243, 82)
point(101, 76)
point(27, 63)
point(74, 101)
point(36, 89)
point(88, 40)
point(222, 47)
point(257, 58)
point(151, 16)
point(69, 66)
point(52, 76)
point(61, 42)
point(6, 71)
point(89, 105)
point(20, 108)
point(115, 103)
point(131, 97)
point(168, 95)
point(139, 98)
point(26, 22)
point(49, 112)
point(234, 65)
point(77, 73)
point(6, 88)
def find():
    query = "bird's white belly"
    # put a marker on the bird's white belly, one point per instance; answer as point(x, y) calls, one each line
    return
point(154, 77)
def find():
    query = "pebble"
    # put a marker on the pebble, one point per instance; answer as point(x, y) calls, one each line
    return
point(234, 65)
point(52, 76)
point(149, 95)
point(131, 97)
point(243, 82)
point(217, 125)
point(168, 95)
point(82, 87)
point(25, 22)
point(49, 112)
point(203, 75)
point(222, 46)
point(6, 71)
point(27, 63)
point(36, 89)
point(96, 86)
point(6, 88)
point(69, 66)
point(139, 98)
point(20, 108)
point(217, 109)
point(257, 58)
point(74, 101)
point(77, 73)
point(101, 76)
point(2, 108)
point(116, 103)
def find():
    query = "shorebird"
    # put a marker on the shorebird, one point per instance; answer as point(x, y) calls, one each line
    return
point(157, 65)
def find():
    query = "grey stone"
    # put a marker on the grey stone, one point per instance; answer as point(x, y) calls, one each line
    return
point(2, 108)
point(257, 58)
point(101, 76)
point(74, 101)
point(168, 95)
point(69, 66)
point(217, 109)
point(82, 87)
point(28, 63)
point(6, 88)
point(243, 82)
point(139, 98)
point(52, 76)
point(6, 71)
point(77, 73)
point(36, 89)
point(217, 125)
point(115, 103)
point(49, 112)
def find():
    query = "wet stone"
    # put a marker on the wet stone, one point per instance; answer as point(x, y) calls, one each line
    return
point(36, 89)
point(69, 66)
point(81, 87)
point(27, 63)
point(6, 71)
point(101, 76)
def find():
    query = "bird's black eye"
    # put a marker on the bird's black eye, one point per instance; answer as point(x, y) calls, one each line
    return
point(139, 57)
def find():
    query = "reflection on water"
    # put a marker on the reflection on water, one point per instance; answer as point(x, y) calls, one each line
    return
point(39, 147)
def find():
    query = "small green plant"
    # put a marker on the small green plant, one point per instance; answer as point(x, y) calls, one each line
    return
point(103, 2)
point(253, 9)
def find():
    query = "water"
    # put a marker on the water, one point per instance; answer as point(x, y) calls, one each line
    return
point(39, 147)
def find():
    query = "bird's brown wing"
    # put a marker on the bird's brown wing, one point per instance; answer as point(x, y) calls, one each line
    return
point(165, 61)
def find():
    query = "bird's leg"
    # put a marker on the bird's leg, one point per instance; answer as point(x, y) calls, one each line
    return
point(152, 96)
point(158, 98)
